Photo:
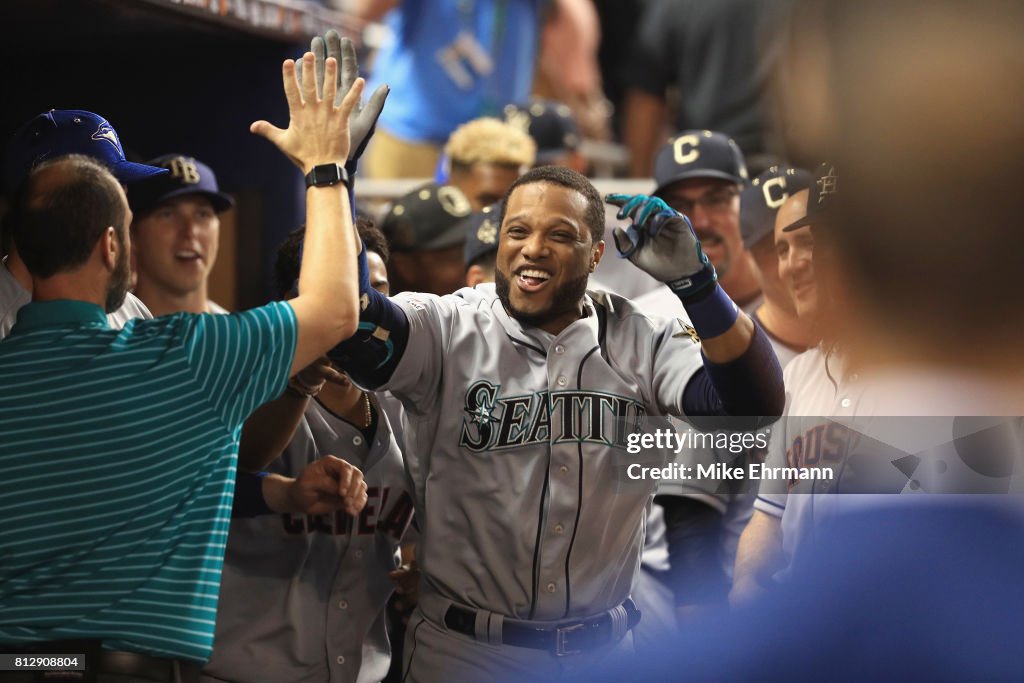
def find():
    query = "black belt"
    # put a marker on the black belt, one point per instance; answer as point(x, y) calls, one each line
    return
point(100, 661)
point(561, 638)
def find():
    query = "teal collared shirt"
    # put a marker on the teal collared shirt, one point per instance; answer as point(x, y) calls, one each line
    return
point(38, 314)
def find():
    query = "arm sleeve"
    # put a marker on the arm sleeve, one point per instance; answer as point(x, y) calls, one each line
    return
point(693, 531)
point(242, 360)
point(249, 501)
point(750, 385)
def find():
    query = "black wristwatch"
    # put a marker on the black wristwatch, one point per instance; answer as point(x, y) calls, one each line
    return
point(326, 174)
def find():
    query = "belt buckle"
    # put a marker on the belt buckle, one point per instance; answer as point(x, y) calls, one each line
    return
point(560, 633)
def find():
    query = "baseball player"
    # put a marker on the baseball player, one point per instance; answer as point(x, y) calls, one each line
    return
point(700, 173)
point(322, 581)
point(176, 234)
point(530, 540)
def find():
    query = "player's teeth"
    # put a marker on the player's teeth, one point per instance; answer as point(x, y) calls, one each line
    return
point(535, 274)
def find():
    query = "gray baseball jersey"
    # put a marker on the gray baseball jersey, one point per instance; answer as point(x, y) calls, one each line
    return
point(13, 296)
point(518, 483)
point(302, 598)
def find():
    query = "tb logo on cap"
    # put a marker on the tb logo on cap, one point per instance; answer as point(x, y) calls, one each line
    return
point(184, 170)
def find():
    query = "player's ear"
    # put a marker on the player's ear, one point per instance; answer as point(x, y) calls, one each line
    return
point(474, 276)
point(596, 255)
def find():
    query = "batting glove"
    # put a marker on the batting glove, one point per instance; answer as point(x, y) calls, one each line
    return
point(661, 242)
point(363, 119)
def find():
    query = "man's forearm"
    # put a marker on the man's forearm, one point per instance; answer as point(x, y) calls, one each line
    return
point(268, 430)
point(758, 557)
point(642, 129)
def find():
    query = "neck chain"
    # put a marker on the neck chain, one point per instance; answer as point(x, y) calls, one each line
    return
point(368, 411)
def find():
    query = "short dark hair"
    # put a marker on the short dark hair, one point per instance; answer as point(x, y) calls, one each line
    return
point(288, 262)
point(56, 225)
point(566, 177)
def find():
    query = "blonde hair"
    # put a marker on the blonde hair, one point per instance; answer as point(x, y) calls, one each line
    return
point(490, 141)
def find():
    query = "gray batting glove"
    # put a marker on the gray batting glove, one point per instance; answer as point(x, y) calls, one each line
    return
point(363, 119)
point(661, 242)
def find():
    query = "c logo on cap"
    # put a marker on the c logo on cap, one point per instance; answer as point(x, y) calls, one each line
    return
point(684, 149)
point(775, 194)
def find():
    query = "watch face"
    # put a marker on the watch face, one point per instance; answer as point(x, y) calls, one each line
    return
point(325, 174)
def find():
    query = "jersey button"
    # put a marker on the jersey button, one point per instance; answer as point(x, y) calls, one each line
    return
point(340, 659)
point(343, 604)
point(561, 381)
point(359, 554)
point(559, 349)
point(563, 469)
point(551, 588)
point(357, 440)
point(845, 403)
point(559, 528)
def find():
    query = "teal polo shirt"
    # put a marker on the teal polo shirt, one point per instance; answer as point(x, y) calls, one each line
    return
point(118, 453)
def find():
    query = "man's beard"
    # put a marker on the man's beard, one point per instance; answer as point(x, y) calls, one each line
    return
point(567, 298)
point(120, 280)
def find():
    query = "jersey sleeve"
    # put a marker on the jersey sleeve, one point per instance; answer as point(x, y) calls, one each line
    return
point(417, 377)
point(242, 360)
point(772, 493)
point(675, 359)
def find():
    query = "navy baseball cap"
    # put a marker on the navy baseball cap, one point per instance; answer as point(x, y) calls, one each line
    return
point(761, 199)
point(481, 230)
point(549, 123)
point(186, 175)
point(699, 154)
point(71, 131)
point(822, 198)
point(427, 218)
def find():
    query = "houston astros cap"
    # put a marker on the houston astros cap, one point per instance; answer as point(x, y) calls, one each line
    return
point(427, 218)
point(71, 131)
point(761, 199)
point(549, 123)
point(821, 200)
point(186, 175)
point(698, 154)
point(481, 230)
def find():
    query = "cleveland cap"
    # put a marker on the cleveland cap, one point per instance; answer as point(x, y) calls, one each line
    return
point(185, 176)
point(699, 154)
point(427, 218)
point(761, 199)
point(71, 131)
point(821, 200)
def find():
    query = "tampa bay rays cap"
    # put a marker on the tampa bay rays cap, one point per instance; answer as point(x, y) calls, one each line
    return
point(550, 124)
point(699, 154)
point(481, 230)
point(761, 199)
point(71, 131)
point(186, 175)
point(821, 200)
point(427, 218)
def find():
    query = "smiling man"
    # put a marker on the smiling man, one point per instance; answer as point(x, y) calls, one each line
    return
point(175, 235)
point(513, 393)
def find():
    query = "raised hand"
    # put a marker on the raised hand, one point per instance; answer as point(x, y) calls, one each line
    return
point(661, 242)
point(318, 130)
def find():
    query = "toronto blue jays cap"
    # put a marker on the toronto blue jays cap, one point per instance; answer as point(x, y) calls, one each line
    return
point(427, 218)
point(71, 131)
point(185, 176)
point(821, 200)
point(761, 199)
point(699, 154)
point(549, 123)
point(481, 230)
